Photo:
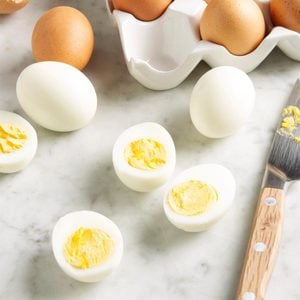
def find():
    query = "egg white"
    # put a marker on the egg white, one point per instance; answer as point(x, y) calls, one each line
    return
point(67, 225)
point(217, 176)
point(20, 158)
point(57, 96)
point(222, 101)
point(144, 180)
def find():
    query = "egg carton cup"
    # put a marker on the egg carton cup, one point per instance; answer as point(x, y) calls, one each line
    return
point(160, 54)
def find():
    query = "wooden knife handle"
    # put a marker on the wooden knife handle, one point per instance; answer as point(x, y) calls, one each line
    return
point(263, 245)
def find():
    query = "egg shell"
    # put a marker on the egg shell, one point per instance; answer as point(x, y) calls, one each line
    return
point(238, 25)
point(63, 34)
point(146, 10)
point(217, 176)
point(67, 225)
point(19, 159)
point(10, 6)
point(286, 13)
point(57, 96)
point(222, 101)
point(141, 180)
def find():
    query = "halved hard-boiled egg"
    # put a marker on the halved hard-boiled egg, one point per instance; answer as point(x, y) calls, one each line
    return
point(199, 197)
point(18, 142)
point(87, 245)
point(144, 156)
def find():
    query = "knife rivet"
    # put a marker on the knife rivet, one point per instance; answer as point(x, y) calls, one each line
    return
point(270, 201)
point(248, 296)
point(260, 247)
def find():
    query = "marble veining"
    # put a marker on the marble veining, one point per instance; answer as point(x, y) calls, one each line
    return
point(74, 171)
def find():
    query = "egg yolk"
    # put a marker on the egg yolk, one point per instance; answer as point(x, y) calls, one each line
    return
point(290, 122)
point(192, 198)
point(12, 138)
point(87, 248)
point(145, 154)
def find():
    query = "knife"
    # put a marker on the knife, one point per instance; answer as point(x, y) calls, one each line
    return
point(283, 165)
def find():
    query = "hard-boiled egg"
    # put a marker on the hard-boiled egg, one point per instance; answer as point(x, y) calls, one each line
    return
point(18, 142)
point(57, 96)
point(199, 197)
point(144, 156)
point(87, 245)
point(222, 101)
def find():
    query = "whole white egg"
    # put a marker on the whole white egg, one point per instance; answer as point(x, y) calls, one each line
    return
point(18, 142)
point(185, 215)
point(68, 225)
point(144, 156)
point(57, 96)
point(222, 101)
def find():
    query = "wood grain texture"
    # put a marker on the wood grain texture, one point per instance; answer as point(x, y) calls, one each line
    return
point(266, 230)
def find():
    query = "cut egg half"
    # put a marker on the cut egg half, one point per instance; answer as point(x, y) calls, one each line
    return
point(87, 245)
point(18, 142)
point(144, 156)
point(199, 197)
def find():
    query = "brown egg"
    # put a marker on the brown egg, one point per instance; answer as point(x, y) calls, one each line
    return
point(286, 13)
point(145, 10)
point(238, 25)
point(10, 6)
point(63, 34)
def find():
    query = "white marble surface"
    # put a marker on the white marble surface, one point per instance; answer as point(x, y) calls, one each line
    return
point(74, 171)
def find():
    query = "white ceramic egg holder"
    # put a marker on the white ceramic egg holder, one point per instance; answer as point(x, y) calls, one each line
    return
point(162, 53)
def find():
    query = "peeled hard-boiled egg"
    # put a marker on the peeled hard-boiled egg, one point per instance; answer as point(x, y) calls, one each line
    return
point(10, 6)
point(144, 156)
point(146, 10)
point(286, 13)
point(57, 96)
point(199, 197)
point(87, 245)
point(63, 34)
point(222, 101)
point(18, 142)
point(238, 25)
